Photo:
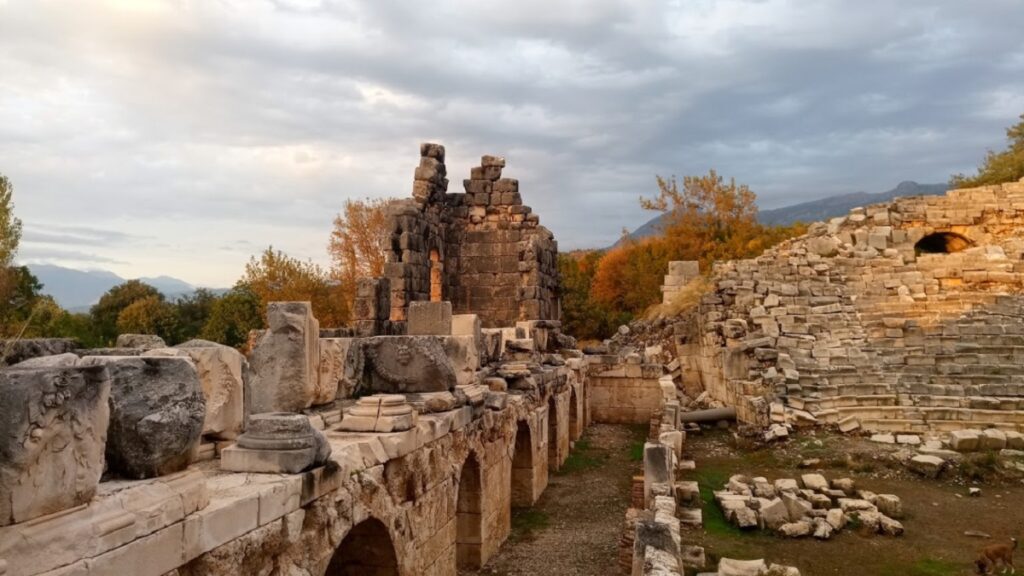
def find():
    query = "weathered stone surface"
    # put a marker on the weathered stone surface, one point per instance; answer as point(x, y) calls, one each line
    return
point(53, 429)
point(284, 364)
point(277, 443)
point(55, 361)
point(379, 413)
point(890, 505)
point(396, 364)
point(341, 368)
point(220, 370)
point(141, 341)
point(429, 319)
point(27, 348)
point(464, 356)
point(965, 440)
point(992, 439)
point(929, 466)
point(729, 567)
point(156, 414)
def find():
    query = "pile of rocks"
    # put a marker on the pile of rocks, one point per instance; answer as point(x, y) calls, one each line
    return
point(811, 506)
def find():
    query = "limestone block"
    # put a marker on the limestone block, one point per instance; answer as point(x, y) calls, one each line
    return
point(220, 370)
point(468, 325)
point(992, 439)
point(284, 363)
point(464, 356)
point(340, 370)
point(815, 482)
point(729, 567)
point(890, 505)
point(55, 361)
point(928, 466)
point(379, 413)
point(53, 428)
point(657, 468)
point(157, 411)
point(396, 364)
point(429, 319)
point(774, 514)
point(1014, 440)
point(964, 440)
point(277, 443)
point(143, 341)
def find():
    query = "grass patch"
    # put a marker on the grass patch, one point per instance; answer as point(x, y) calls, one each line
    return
point(583, 457)
point(636, 452)
point(527, 521)
point(924, 567)
point(983, 466)
point(710, 479)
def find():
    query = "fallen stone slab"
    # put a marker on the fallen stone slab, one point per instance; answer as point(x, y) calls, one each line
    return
point(927, 466)
point(730, 567)
point(141, 341)
point(965, 440)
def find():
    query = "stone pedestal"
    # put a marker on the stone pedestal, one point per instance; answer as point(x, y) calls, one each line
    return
point(277, 442)
point(429, 319)
point(380, 413)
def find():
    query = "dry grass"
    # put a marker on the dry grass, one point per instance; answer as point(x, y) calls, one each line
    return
point(687, 298)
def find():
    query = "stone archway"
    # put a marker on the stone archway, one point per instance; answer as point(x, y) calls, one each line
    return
point(367, 550)
point(522, 467)
point(469, 516)
point(436, 277)
point(553, 463)
point(942, 243)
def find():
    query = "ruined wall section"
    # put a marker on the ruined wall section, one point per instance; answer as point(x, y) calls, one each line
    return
point(904, 316)
point(484, 251)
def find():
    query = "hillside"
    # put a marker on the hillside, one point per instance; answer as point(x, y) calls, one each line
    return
point(76, 290)
point(817, 210)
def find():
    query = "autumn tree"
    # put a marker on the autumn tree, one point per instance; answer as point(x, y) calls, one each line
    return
point(106, 312)
point(10, 236)
point(192, 312)
point(359, 243)
point(582, 316)
point(275, 276)
point(149, 315)
point(998, 167)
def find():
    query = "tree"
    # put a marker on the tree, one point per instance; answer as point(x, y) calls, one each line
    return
point(149, 315)
point(192, 312)
point(106, 312)
point(21, 294)
point(10, 236)
point(998, 167)
point(582, 316)
point(359, 243)
point(276, 277)
point(233, 316)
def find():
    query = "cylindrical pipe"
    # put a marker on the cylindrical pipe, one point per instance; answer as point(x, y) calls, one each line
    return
point(710, 415)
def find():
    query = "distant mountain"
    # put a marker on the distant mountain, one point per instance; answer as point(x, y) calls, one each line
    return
point(816, 210)
point(77, 290)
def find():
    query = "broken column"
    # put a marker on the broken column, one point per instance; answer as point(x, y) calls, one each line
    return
point(53, 429)
point(379, 413)
point(284, 364)
point(277, 443)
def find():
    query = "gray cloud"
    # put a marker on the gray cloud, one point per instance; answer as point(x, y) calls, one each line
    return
point(192, 126)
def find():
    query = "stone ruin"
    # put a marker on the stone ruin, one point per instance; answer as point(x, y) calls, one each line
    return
point(900, 317)
point(399, 450)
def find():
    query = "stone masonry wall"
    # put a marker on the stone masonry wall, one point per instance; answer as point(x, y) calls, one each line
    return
point(902, 316)
point(623, 391)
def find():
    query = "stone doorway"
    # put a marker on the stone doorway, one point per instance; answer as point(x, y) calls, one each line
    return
point(522, 467)
point(942, 243)
point(367, 550)
point(469, 517)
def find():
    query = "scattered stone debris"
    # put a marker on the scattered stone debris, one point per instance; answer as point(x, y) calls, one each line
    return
point(811, 506)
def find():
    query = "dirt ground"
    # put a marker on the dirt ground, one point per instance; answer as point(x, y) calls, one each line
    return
point(574, 528)
point(938, 512)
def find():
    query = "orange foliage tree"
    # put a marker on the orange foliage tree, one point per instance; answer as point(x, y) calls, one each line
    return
point(359, 243)
point(707, 219)
point(275, 277)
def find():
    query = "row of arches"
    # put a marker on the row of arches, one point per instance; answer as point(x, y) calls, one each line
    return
point(368, 549)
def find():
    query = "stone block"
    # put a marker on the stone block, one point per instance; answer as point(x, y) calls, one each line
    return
point(53, 429)
point(157, 410)
point(220, 370)
point(464, 355)
point(992, 439)
point(964, 440)
point(400, 364)
point(379, 413)
point(928, 466)
point(429, 319)
point(284, 364)
point(142, 341)
point(340, 370)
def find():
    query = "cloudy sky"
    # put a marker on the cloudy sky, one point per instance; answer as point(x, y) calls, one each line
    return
point(180, 137)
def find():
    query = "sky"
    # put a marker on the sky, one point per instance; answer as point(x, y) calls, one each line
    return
point(181, 137)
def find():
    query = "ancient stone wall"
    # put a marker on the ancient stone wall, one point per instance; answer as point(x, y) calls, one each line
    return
point(903, 316)
point(623, 390)
point(482, 250)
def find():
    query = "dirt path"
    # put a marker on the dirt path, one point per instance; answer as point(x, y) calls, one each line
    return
point(574, 528)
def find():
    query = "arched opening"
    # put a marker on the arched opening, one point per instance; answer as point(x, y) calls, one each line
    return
point(436, 269)
point(522, 467)
point(552, 434)
point(469, 517)
point(575, 430)
point(367, 550)
point(942, 243)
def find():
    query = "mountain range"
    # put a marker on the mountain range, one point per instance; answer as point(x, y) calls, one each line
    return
point(77, 290)
point(815, 210)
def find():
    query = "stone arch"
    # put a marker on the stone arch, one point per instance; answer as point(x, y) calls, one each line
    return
point(367, 550)
point(553, 462)
point(942, 243)
point(436, 276)
point(469, 516)
point(522, 467)
point(575, 425)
